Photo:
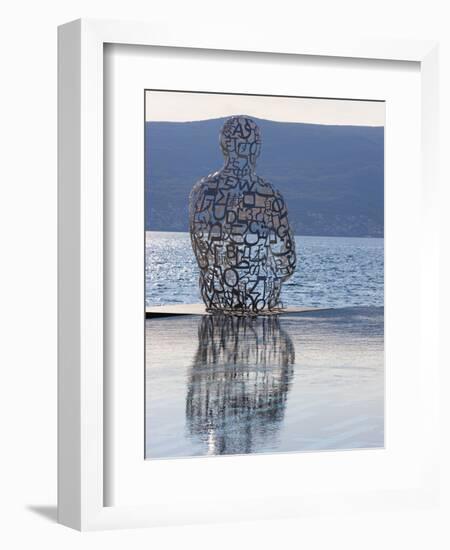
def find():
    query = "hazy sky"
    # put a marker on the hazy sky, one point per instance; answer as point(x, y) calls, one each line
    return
point(181, 106)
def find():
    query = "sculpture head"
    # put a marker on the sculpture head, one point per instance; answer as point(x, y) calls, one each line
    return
point(240, 140)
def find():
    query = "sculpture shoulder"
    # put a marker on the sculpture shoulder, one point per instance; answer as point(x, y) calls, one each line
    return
point(203, 185)
point(264, 187)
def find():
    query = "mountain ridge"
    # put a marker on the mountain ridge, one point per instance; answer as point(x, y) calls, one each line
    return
point(332, 177)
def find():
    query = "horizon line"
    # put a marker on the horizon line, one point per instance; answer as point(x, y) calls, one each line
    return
point(270, 120)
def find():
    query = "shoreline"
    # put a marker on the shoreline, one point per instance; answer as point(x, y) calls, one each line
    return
point(159, 231)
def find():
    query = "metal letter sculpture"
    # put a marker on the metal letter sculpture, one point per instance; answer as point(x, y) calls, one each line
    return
point(239, 229)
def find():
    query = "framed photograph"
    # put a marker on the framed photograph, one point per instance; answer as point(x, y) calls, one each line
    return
point(247, 275)
point(264, 296)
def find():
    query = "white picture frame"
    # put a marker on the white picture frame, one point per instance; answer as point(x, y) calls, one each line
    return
point(82, 394)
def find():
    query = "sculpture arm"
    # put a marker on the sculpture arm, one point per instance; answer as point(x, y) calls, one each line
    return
point(282, 242)
point(197, 225)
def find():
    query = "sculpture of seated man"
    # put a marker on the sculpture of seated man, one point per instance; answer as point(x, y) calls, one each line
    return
point(239, 229)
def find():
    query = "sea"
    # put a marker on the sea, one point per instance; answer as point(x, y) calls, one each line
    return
point(331, 271)
point(224, 385)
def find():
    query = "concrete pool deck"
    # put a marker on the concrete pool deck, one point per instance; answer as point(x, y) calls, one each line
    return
point(199, 309)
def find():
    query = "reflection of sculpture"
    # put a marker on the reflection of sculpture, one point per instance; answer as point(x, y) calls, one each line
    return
point(238, 383)
point(239, 227)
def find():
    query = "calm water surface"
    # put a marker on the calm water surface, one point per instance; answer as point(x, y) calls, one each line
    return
point(218, 385)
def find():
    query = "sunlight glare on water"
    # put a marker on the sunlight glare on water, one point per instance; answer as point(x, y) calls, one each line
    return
point(331, 271)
